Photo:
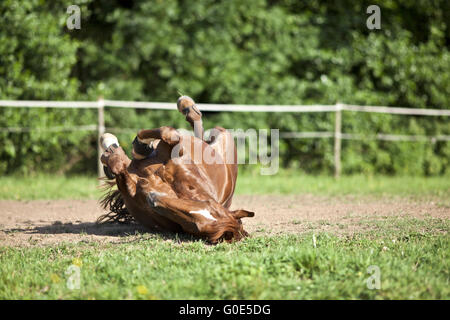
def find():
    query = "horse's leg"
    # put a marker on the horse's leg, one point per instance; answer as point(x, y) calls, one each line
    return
point(141, 144)
point(167, 134)
point(131, 186)
point(132, 189)
point(193, 115)
point(223, 143)
point(113, 157)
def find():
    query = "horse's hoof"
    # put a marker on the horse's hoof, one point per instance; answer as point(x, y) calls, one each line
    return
point(107, 140)
point(184, 103)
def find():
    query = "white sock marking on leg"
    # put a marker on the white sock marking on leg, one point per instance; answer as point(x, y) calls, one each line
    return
point(108, 140)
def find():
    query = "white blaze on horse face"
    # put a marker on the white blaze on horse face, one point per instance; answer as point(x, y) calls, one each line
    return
point(204, 213)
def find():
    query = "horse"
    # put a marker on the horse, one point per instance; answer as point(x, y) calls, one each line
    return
point(176, 182)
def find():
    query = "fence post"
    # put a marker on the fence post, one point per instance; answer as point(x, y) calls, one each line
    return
point(101, 130)
point(337, 140)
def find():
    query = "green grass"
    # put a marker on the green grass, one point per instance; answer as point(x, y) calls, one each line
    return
point(291, 182)
point(413, 255)
point(285, 182)
point(413, 264)
point(49, 187)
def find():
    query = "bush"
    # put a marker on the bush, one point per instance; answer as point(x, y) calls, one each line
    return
point(258, 52)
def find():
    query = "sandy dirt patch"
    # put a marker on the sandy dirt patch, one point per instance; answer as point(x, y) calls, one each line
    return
point(28, 223)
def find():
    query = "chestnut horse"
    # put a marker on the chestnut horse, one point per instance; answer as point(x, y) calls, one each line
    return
point(176, 182)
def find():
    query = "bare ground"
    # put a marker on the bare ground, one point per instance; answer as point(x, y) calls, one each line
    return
point(29, 223)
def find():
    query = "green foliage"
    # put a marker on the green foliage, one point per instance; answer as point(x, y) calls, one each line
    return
point(37, 57)
point(247, 52)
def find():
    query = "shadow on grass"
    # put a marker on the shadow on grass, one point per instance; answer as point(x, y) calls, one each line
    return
point(103, 229)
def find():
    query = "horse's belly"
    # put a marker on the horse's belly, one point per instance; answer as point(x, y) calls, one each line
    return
point(149, 218)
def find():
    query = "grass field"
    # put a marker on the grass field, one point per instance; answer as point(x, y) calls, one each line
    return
point(413, 265)
point(411, 254)
point(285, 182)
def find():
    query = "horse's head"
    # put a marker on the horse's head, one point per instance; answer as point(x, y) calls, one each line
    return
point(204, 218)
point(230, 228)
point(227, 225)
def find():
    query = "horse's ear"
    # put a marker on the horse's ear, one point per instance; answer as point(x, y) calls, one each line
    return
point(242, 214)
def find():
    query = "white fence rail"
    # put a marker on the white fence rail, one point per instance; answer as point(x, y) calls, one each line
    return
point(337, 134)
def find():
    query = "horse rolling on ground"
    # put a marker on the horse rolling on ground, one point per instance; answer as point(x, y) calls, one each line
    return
point(176, 182)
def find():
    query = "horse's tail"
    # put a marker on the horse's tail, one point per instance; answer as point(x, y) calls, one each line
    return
point(113, 202)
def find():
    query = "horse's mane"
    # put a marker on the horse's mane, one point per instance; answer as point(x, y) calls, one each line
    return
point(113, 202)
